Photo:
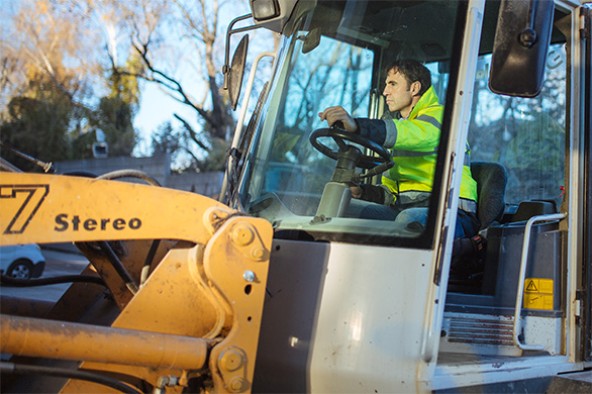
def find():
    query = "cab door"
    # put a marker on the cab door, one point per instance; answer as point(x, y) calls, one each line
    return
point(523, 306)
point(355, 304)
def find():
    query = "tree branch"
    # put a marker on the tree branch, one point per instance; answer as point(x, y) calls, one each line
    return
point(192, 134)
point(167, 82)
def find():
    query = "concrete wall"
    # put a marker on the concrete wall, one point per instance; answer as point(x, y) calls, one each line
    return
point(158, 167)
point(205, 183)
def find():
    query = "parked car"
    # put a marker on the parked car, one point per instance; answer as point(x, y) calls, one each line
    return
point(22, 261)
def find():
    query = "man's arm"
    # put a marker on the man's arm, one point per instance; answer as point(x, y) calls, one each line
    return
point(373, 129)
point(373, 193)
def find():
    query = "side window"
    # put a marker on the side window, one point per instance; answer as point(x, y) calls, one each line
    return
point(525, 135)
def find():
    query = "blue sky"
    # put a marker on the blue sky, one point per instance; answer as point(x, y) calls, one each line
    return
point(156, 107)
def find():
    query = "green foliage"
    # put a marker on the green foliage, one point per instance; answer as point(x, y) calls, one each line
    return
point(81, 143)
point(126, 87)
point(37, 127)
point(535, 158)
point(114, 117)
point(165, 140)
point(47, 124)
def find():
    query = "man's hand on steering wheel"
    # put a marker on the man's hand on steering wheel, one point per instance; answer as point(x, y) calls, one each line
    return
point(369, 155)
point(353, 150)
point(338, 114)
point(356, 191)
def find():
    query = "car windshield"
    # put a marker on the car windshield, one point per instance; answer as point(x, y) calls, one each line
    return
point(337, 55)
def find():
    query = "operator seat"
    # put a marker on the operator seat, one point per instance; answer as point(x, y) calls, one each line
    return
point(468, 253)
point(491, 188)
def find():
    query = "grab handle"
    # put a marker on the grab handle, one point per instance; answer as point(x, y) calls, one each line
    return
point(522, 274)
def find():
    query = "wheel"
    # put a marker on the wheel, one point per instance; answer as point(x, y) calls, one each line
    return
point(375, 164)
point(20, 269)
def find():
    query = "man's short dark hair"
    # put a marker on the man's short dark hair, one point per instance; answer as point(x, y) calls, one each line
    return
point(413, 71)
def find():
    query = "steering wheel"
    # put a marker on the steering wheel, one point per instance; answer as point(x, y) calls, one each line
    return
point(374, 164)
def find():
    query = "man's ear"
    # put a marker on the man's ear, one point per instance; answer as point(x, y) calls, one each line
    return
point(415, 88)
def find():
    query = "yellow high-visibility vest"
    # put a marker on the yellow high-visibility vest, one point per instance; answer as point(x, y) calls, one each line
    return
point(415, 147)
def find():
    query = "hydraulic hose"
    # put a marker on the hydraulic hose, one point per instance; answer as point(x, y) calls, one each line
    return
point(149, 260)
point(20, 369)
point(10, 281)
point(119, 267)
point(129, 174)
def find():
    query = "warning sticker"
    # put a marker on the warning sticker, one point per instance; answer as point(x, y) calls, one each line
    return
point(538, 293)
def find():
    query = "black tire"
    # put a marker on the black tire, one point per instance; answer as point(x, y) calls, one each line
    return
point(20, 269)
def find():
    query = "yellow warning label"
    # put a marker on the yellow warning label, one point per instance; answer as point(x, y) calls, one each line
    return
point(532, 287)
point(538, 293)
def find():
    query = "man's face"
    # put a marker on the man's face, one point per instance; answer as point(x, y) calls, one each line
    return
point(398, 94)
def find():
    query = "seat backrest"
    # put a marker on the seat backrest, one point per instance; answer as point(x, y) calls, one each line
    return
point(491, 187)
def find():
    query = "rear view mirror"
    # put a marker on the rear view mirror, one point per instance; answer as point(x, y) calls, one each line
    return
point(237, 71)
point(520, 47)
point(312, 40)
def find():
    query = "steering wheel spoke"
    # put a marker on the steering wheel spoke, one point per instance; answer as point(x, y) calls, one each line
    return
point(340, 143)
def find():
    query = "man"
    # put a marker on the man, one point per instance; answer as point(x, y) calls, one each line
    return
point(412, 135)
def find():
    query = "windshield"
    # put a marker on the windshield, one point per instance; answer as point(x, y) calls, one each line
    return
point(338, 56)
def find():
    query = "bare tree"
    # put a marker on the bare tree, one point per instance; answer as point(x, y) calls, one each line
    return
point(43, 41)
point(194, 28)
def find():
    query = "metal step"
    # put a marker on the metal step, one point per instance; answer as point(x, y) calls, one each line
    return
point(572, 383)
point(478, 334)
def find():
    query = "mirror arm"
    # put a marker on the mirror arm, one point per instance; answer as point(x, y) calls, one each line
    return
point(229, 33)
point(528, 36)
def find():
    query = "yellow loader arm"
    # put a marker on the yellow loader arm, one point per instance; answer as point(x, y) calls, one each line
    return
point(197, 315)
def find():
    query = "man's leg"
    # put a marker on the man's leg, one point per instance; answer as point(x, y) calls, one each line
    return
point(378, 212)
point(369, 210)
point(467, 224)
point(413, 219)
